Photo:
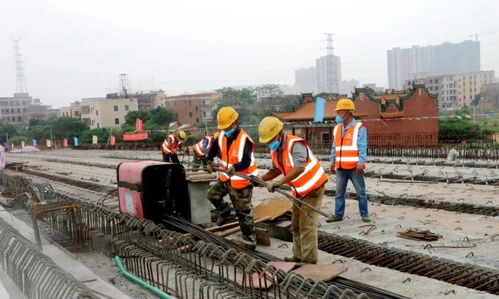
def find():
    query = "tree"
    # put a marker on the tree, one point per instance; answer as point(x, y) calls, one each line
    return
point(236, 98)
point(10, 130)
point(131, 116)
point(161, 116)
point(101, 133)
point(268, 90)
point(456, 130)
point(65, 127)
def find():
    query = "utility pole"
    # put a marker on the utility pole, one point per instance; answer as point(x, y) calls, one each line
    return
point(51, 139)
point(7, 138)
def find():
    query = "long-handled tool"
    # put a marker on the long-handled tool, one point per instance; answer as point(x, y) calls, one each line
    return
point(289, 196)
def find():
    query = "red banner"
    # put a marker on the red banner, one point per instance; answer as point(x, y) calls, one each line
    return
point(135, 136)
point(139, 126)
point(112, 140)
point(65, 142)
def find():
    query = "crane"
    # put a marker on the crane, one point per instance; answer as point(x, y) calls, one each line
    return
point(482, 33)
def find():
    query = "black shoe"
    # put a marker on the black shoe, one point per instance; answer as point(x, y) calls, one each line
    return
point(249, 242)
point(223, 214)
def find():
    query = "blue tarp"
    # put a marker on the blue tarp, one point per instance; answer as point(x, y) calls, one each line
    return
point(319, 109)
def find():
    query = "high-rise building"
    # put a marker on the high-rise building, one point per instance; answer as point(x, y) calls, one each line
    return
point(347, 87)
point(447, 58)
point(455, 90)
point(328, 70)
point(306, 79)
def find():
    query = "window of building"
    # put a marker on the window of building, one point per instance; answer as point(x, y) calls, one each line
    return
point(18, 110)
point(126, 108)
point(176, 116)
point(115, 107)
point(97, 112)
point(93, 122)
point(116, 121)
point(196, 108)
point(197, 120)
point(98, 126)
point(190, 102)
point(190, 114)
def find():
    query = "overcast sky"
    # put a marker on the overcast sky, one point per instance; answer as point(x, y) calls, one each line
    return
point(75, 49)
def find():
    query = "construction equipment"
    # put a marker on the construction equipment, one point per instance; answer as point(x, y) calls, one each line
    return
point(151, 189)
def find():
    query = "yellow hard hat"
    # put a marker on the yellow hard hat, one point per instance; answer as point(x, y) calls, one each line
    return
point(226, 116)
point(345, 104)
point(181, 135)
point(269, 128)
point(215, 135)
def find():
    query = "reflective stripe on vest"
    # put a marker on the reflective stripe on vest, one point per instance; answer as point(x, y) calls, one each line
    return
point(346, 149)
point(234, 155)
point(311, 178)
point(200, 150)
point(174, 144)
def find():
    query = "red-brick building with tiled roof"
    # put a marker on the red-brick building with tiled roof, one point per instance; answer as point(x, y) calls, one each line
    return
point(398, 119)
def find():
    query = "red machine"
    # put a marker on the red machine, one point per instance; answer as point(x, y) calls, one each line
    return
point(151, 189)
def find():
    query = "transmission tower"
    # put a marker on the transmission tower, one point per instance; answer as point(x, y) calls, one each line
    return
point(124, 85)
point(20, 80)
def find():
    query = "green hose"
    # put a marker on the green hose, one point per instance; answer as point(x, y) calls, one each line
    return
point(139, 281)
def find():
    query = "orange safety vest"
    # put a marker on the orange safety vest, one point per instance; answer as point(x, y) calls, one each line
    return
point(346, 149)
point(234, 155)
point(170, 144)
point(309, 180)
point(200, 150)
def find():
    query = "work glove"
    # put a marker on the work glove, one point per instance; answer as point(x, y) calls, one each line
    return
point(272, 186)
point(254, 183)
point(210, 168)
point(231, 171)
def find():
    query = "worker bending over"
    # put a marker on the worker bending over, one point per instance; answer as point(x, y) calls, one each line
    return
point(171, 144)
point(201, 150)
point(301, 170)
point(234, 148)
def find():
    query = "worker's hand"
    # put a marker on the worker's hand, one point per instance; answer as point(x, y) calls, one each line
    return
point(272, 186)
point(231, 171)
point(210, 167)
point(254, 183)
point(333, 170)
point(359, 170)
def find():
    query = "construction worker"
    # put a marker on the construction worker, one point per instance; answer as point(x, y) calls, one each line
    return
point(171, 144)
point(201, 150)
point(348, 158)
point(234, 147)
point(301, 170)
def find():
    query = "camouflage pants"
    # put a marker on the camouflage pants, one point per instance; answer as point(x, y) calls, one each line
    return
point(241, 200)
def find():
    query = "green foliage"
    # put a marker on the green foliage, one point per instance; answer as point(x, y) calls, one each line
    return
point(236, 98)
point(455, 130)
point(101, 133)
point(268, 90)
point(66, 127)
point(161, 116)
